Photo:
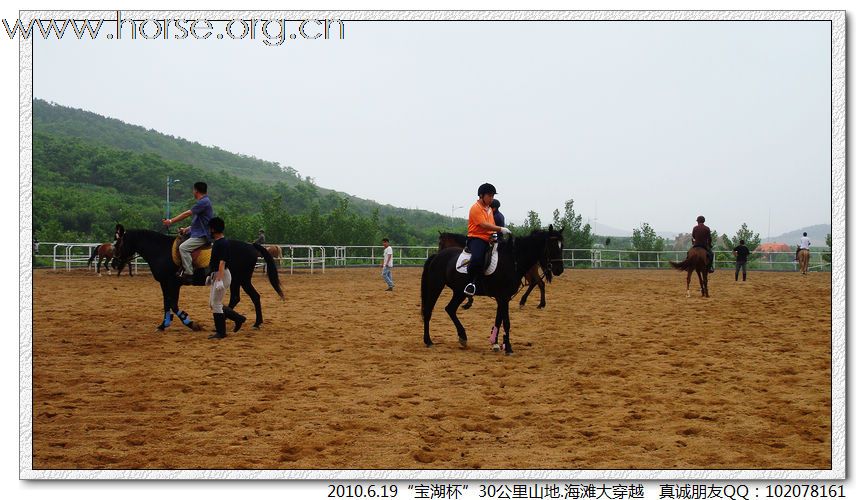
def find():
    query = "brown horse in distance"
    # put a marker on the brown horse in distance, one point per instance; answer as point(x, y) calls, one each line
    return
point(275, 251)
point(697, 260)
point(105, 252)
point(804, 258)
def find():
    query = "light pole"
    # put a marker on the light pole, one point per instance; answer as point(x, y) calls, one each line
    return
point(168, 182)
point(454, 208)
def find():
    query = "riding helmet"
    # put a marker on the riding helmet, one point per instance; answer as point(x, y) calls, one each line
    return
point(496, 204)
point(486, 188)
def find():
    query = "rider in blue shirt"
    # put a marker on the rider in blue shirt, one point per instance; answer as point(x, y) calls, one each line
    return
point(198, 231)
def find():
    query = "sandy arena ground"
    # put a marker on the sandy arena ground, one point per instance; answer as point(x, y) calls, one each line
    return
point(621, 371)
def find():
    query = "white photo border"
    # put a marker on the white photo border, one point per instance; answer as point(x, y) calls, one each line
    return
point(839, 270)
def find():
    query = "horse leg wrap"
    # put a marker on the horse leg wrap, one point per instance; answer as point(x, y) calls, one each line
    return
point(184, 318)
point(166, 322)
point(494, 334)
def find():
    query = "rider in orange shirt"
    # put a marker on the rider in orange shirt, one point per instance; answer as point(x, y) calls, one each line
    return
point(481, 229)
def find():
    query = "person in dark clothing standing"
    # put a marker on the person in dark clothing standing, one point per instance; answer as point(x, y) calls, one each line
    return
point(260, 239)
point(498, 217)
point(701, 236)
point(741, 252)
point(220, 279)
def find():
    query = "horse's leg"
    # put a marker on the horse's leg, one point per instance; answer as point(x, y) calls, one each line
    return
point(130, 270)
point(256, 299)
point(234, 297)
point(688, 283)
point(182, 315)
point(451, 309)
point(506, 320)
point(431, 296)
point(494, 334)
point(469, 303)
point(526, 295)
point(167, 295)
point(541, 285)
point(107, 268)
point(706, 283)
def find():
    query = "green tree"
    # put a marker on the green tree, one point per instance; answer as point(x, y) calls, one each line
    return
point(752, 239)
point(575, 233)
point(645, 239)
point(532, 222)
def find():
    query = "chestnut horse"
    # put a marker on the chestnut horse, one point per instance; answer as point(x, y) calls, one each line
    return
point(275, 251)
point(803, 255)
point(697, 260)
point(105, 252)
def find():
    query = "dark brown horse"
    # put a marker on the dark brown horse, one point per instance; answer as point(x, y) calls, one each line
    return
point(105, 252)
point(533, 276)
point(516, 257)
point(697, 260)
point(156, 249)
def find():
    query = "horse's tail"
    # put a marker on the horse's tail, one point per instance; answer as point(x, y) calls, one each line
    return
point(93, 255)
point(272, 273)
point(686, 265)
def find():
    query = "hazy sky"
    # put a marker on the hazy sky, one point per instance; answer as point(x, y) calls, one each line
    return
point(652, 122)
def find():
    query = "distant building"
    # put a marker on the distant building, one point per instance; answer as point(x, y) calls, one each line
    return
point(774, 247)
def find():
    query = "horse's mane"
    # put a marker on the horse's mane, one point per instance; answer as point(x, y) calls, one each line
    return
point(148, 234)
point(456, 236)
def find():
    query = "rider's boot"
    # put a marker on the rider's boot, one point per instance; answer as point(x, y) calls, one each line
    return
point(219, 321)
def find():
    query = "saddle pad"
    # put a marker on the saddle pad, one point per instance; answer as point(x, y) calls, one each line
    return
point(200, 256)
point(465, 257)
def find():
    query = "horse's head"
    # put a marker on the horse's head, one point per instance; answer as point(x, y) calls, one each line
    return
point(124, 251)
point(447, 240)
point(551, 260)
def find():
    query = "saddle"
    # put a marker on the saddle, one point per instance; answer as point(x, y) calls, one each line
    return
point(200, 256)
point(491, 260)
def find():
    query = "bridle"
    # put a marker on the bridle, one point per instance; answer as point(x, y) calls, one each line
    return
point(547, 262)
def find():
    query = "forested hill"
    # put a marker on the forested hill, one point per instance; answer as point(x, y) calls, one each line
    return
point(96, 129)
point(90, 172)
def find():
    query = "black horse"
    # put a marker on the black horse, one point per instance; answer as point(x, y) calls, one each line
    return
point(155, 248)
point(516, 257)
point(533, 276)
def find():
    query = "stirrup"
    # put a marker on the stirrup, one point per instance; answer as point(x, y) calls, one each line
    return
point(470, 290)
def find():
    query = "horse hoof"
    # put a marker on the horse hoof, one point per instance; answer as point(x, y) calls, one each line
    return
point(256, 327)
point(195, 326)
point(464, 342)
point(495, 347)
point(160, 328)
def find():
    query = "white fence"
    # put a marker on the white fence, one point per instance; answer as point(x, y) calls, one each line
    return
point(313, 258)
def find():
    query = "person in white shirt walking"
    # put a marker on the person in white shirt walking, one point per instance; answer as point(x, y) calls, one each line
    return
point(387, 264)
